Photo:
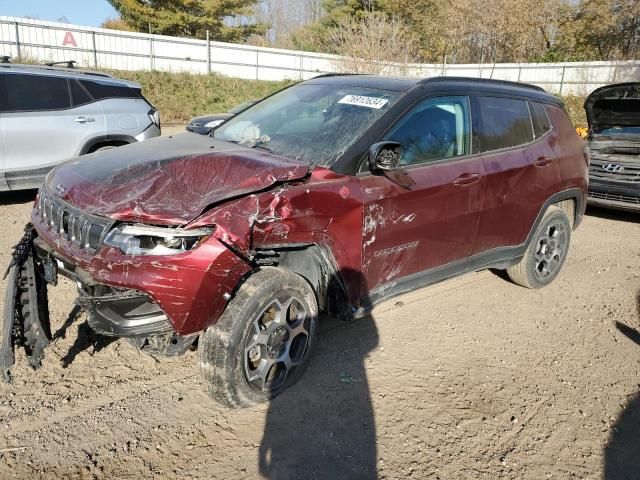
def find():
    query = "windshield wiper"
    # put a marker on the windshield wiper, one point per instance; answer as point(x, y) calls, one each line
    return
point(262, 147)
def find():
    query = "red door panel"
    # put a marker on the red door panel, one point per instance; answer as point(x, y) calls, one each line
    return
point(518, 183)
point(431, 224)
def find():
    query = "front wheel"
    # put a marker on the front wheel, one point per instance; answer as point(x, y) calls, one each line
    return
point(263, 341)
point(546, 253)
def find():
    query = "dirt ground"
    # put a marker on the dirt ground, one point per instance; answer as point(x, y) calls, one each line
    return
point(472, 378)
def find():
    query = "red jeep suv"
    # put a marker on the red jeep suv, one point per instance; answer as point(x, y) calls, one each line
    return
point(330, 195)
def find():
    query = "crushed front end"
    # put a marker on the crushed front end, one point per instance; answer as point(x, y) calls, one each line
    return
point(159, 300)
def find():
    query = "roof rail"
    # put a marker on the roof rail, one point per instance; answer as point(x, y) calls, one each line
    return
point(67, 63)
point(5, 59)
point(54, 68)
point(483, 80)
point(325, 75)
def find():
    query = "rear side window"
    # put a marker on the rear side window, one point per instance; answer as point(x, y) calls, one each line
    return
point(79, 95)
point(505, 123)
point(28, 93)
point(541, 124)
point(99, 90)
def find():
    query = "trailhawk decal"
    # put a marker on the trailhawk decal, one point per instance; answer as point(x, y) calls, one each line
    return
point(364, 101)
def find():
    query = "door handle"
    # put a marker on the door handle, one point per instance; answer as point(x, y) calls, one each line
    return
point(467, 179)
point(84, 119)
point(542, 161)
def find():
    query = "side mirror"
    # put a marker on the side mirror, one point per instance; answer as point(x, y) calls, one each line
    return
point(385, 156)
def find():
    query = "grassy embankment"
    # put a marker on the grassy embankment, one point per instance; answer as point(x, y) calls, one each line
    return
point(180, 96)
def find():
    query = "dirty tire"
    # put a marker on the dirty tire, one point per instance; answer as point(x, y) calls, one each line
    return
point(225, 349)
point(530, 271)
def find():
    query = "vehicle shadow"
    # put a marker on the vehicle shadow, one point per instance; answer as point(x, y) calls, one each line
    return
point(86, 339)
point(324, 427)
point(611, 214)
point(19, 196)
point(622, 452)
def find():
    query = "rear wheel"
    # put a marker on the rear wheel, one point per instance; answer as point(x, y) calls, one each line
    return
point(546, 253)
point(263, 341)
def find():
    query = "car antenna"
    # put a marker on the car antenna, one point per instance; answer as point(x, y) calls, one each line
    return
point(67, 63)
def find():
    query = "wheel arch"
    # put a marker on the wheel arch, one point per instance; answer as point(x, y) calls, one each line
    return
point(561, 199)
point(104, 140)
point(317, 265)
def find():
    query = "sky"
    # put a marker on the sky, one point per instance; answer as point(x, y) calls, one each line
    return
point(89, 13)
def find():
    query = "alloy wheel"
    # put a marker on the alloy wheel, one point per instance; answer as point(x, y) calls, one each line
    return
point(277, 343)
point(550, 250)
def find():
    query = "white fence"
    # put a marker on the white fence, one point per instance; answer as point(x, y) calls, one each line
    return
point(112, 49)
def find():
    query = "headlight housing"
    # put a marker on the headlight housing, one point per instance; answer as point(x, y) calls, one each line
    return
point(148, 240)
point(213, 123)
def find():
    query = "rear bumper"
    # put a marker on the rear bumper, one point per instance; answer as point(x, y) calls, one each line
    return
point(151, 131)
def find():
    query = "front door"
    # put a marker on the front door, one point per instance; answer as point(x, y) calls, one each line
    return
point(425, 231)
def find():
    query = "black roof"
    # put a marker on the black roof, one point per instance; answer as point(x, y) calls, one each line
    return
point(404, 84)
point(396, 84)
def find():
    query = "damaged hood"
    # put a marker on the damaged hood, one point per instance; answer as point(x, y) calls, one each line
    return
point(614, 106)
point(168, 180)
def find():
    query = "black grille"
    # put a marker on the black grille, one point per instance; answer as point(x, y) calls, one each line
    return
point(85, 231)
point(615, 197)
point(614, 169)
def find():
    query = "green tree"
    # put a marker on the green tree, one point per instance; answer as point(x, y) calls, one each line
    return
point(190, 18)
point(601, 30)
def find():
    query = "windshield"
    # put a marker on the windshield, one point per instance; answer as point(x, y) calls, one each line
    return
point(311, 123)
point(618, 131)
point(243, 106)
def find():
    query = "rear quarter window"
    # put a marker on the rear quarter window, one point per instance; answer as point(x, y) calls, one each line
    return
point(504, 123)
point(79, 95)
point(99, 90)
point(541, 123)
point(29, 93)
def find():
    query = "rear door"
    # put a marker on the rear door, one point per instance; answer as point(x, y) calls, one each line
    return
point(41, 127)
point(431, 224)
point(520, 170)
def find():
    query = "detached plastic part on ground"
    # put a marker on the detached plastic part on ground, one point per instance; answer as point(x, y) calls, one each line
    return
point(25, 321)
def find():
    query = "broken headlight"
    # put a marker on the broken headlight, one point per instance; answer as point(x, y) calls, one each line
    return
point(147, 240)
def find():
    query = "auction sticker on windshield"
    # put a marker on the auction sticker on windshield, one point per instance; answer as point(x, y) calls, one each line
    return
point(364, 101)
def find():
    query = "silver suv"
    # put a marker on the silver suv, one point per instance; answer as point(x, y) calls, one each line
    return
point(49, 115)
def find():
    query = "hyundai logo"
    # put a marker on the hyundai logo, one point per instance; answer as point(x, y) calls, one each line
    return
point(612, 168)
point(60, 189)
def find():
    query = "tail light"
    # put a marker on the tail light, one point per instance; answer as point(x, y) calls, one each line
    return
point(154, 116)
point(587, 155)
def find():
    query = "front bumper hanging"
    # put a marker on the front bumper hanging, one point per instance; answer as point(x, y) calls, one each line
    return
point(25, 321)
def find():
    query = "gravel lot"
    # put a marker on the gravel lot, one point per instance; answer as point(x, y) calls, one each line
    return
point(471, 378)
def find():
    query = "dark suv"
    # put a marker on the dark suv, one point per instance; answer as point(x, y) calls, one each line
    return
point(330, 195)
point(613, 113)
